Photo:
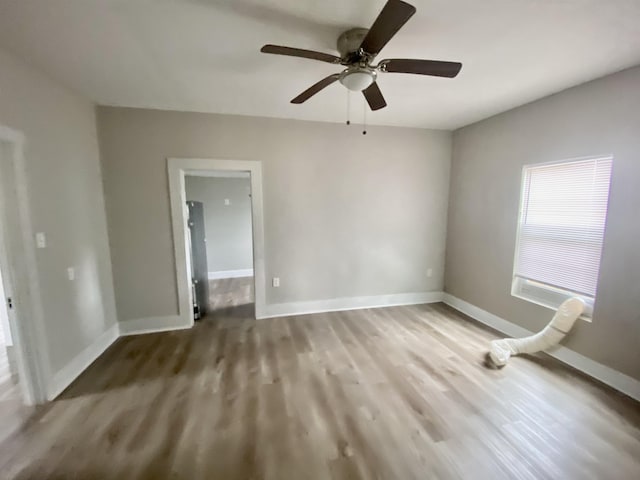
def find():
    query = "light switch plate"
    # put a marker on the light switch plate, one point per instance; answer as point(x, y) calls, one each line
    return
point(41, 240)
point(276, 282)
point(71, 273)
point(227, 201)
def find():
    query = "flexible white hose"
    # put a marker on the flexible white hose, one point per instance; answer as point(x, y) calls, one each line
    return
point(550, 335)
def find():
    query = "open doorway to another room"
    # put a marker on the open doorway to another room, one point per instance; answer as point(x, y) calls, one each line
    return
point(221, 243)
point(19, 350)
point(10, 394)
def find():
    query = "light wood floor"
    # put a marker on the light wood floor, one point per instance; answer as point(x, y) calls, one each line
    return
point(228, 293)
point(394, 393)
point(12, 411)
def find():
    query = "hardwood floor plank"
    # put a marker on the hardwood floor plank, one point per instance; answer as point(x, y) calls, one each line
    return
point(394, 393)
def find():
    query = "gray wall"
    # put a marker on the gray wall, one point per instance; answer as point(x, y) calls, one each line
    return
point(599, 117)
point(227, 227)
point(66, 201)
point(345, 214)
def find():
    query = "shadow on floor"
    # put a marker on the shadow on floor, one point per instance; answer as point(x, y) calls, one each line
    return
point(247, 310)
point(158, 357)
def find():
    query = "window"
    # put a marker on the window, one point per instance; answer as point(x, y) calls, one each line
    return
point(563, 210)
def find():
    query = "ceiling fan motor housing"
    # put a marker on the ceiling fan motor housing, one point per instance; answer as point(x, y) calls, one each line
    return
point(349, 42)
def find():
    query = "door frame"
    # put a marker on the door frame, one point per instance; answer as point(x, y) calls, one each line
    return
point(177, 168)
point(20, 273)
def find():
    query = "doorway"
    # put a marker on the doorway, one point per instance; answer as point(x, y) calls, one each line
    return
point(11, 401)
point(237, 282)
point(20, 347)
point(221, 243)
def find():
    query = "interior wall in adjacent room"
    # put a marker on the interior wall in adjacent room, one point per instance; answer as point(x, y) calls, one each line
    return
point(227, 220)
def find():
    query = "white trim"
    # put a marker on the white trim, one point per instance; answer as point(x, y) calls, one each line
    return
point(179, 167)
point(547, 296)
point(349, 303)
point(222, 174)
point(28, 333)
point(603, 156)
point(72, 370)
point(140, 326)
point(500, 324)
point(247, 272)
point(619, 381)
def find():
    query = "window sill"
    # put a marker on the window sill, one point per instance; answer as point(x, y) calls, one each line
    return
point(548, 297)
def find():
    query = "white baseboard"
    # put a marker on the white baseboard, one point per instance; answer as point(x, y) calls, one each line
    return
point(64, 377)
point(72, 370)
point(140, 326)
point(619, 381)
point(231, 274)
point(349, 303)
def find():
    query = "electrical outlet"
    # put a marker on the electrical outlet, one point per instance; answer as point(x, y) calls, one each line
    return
point(276, 282)
point(430, 272)
point(71, 273)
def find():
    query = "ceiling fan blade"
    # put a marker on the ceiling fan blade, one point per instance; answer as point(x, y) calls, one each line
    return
point(298, 52)
point(421, 67)
point(374, 97)
point(392, 17)
point(313, 89)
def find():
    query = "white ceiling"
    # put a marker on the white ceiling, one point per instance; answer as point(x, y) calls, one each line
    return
point(203, 55)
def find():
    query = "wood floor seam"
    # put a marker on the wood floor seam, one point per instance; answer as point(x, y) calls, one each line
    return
point(386, 393)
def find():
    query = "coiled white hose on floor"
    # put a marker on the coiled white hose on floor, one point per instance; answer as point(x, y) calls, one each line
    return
point(567, 314)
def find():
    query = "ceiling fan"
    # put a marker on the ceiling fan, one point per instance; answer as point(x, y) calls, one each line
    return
point(358, 48)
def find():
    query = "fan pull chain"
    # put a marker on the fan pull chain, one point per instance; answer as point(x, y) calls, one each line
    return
point(348, 106)
point(364, 116)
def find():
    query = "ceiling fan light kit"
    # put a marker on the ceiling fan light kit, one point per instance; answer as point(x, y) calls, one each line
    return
point(357, 78)
point(358, 47)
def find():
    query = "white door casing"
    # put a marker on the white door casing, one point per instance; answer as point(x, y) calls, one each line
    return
point(19, 270)
point(177, 168)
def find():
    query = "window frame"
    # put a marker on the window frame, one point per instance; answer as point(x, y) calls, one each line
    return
point(537, 292)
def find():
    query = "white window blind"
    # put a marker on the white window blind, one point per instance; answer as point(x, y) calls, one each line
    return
point(561, 229)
